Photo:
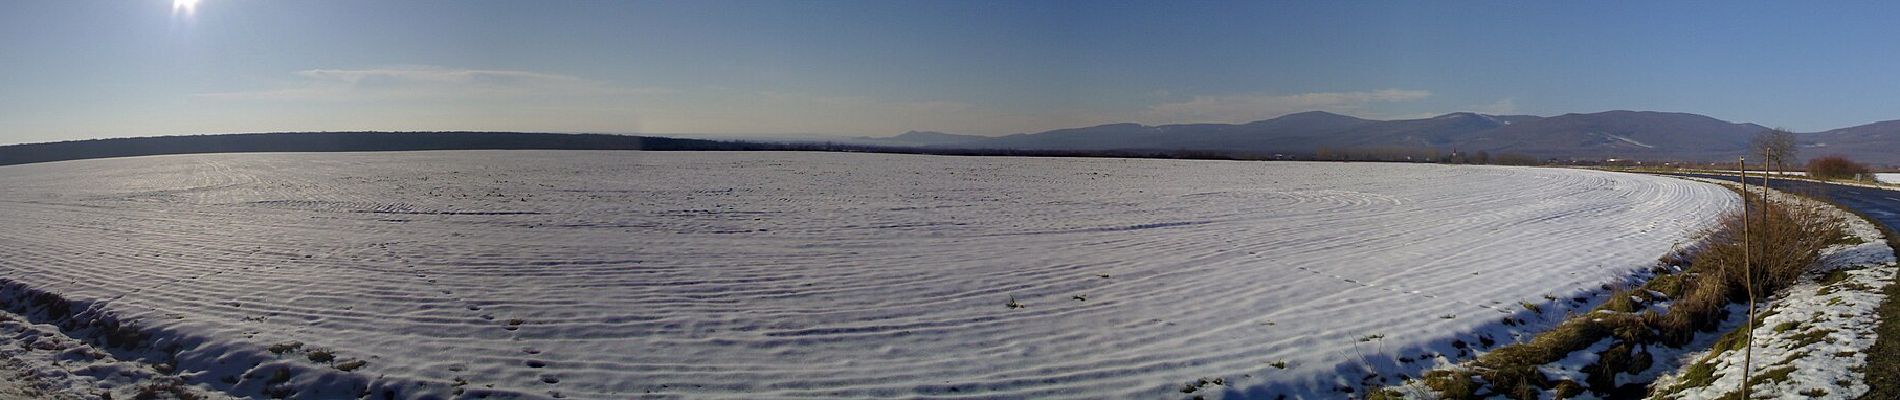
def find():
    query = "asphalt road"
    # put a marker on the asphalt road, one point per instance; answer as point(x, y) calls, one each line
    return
point(1883, 206)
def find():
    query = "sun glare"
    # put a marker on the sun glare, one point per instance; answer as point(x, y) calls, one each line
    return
point(184, 7)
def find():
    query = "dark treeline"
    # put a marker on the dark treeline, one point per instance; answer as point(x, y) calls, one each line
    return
point(1394, 154)
point(1425, 154)
point(304, 142)
point(349, 141)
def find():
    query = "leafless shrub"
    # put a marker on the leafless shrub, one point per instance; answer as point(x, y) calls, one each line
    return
point(1837, 167)
point(1783, 242)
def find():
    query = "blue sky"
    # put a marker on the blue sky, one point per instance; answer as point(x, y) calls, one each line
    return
point(86, 68)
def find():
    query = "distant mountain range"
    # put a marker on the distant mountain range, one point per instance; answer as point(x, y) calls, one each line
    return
point(919, 139)
point(1641, 135)
point(1637, 135)
point(1877, 142)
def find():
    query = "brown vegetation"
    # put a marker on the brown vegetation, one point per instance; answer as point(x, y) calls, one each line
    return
point(1699, 297)
point(1837, 167)
point(1420, 154)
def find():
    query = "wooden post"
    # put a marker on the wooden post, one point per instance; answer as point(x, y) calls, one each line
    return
point(1748, 279)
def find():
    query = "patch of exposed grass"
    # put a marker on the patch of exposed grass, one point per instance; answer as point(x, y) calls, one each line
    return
point(1196, 385)
point(165, 388)
point(1771, 375)
point(1804, 339)
point(1787, 326)
point(1384, 394)
point(1699, 374)
point(1699, 297)
point(1619, 301)
point(286, 347)
point(1451, 384)
point(1833, 277)
point(1668, 284)
point(320, 355)
point(1568, 389)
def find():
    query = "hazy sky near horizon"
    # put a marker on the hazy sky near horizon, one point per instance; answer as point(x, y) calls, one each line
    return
point(96, 68)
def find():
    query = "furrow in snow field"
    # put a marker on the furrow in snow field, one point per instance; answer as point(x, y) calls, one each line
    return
point(745, 275)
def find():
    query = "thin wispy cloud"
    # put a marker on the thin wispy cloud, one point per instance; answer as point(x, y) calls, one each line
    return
point(428, 82)
point(1251, 107)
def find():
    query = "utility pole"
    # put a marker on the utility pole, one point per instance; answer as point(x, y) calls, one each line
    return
point(1748, 278)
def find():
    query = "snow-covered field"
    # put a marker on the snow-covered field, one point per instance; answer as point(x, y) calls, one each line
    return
point(746, 275)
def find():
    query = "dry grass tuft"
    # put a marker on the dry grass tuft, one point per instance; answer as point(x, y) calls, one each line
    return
point(1699, 296)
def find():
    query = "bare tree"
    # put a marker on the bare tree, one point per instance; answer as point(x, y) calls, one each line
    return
point(1776, 148)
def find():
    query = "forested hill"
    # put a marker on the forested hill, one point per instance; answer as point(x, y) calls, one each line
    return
point(350, 141)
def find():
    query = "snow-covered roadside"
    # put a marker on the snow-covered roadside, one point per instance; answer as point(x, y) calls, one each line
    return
point(1811, 342)
point(1812, 338)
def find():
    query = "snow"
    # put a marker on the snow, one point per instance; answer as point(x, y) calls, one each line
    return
point(1888, 178)
point(1817, 333)
point(1628, 140)
point(1813, 333)
point(41, 362)
point(778, 274)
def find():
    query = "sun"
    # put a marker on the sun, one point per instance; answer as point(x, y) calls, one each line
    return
point(186, 7)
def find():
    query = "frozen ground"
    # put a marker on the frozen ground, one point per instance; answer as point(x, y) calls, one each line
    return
point(746, 275)
point(1814, 335)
